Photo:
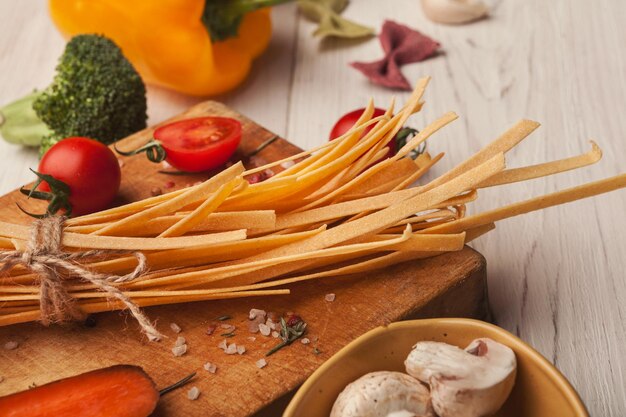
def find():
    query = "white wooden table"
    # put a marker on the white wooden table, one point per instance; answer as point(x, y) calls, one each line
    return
point(557, 277)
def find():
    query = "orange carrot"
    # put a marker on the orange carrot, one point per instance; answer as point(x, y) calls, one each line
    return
point(117, 391)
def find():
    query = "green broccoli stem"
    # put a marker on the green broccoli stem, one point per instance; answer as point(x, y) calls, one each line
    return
point(19, 123)
point(223, 17)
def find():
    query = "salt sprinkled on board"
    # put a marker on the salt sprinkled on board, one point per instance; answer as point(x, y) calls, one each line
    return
point(179, 350)
point(223, 345)
point(256, 312)
point(180, 341)
point(251, 338)
point(264, 329)
point(241, 349)
point(271, 324)
point(305, 341)
point(253, 327)
point(231, 349)
point(329, 297)
point(193, 393)
point(287, 164)
point(228, 327)
point(10, 345)
point(175, 327)
point(211, 367)
point(261, 363)
point(275, 334)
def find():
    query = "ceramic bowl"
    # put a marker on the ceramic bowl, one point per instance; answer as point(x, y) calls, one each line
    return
point(540, 389)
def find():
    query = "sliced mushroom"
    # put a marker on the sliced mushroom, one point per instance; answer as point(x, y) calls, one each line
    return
point(384, 394)
point(473, 382)
point(454, 11)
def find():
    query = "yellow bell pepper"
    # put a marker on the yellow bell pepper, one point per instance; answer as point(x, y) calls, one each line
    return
point(197, 47)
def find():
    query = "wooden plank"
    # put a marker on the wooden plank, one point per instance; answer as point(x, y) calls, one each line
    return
point(450, 285)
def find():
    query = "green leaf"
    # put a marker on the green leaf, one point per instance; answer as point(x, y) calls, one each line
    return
point(326, 14)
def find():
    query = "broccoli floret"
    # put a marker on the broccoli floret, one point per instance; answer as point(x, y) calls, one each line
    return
point(96, 93)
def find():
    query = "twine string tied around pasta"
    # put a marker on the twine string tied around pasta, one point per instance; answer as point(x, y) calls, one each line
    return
point(44, 256)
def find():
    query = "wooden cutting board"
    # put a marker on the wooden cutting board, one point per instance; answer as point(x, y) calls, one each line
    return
point(451, 285)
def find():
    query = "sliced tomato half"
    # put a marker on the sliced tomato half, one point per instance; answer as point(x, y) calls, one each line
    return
point(199, 144)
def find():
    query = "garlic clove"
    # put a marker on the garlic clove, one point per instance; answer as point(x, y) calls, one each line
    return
point(454, 11)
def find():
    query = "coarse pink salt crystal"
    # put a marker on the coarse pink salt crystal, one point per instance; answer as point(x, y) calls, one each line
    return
point(256, 312)
point(241, 349)
point(228, 327)
point(223, 344)
point(305, 341)
point(231, 349)
point(210, 330)
point(175, 327)
point(193, 393)
point(179, 350)
point(261, 363)
point(287, 164)
point(180, 341)
point(211, 367)
point(271, 324)
point(166, 165)
point(275, 334)
point(329, 297)
point(10, 345)
point(264, 329)
point(253, 327)
point(251, 338)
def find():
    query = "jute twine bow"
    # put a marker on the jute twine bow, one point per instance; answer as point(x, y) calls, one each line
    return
point(44, 256)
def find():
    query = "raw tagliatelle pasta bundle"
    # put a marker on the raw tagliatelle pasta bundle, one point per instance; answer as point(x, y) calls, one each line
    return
point(336, 211)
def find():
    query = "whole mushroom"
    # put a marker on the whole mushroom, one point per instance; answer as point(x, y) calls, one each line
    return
point(384, 394)
point(473, 382)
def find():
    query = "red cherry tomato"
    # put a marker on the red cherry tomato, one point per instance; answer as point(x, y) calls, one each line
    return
point(348, 120)
point(199, 144)
point(88, 167)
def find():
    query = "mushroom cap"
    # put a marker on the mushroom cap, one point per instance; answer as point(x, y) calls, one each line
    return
point(384, 394)
point(454, 11)
point(464, 383)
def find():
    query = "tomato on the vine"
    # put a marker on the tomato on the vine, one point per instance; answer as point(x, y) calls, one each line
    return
point(194, 145)
point(348, 120)
point(77, 176)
